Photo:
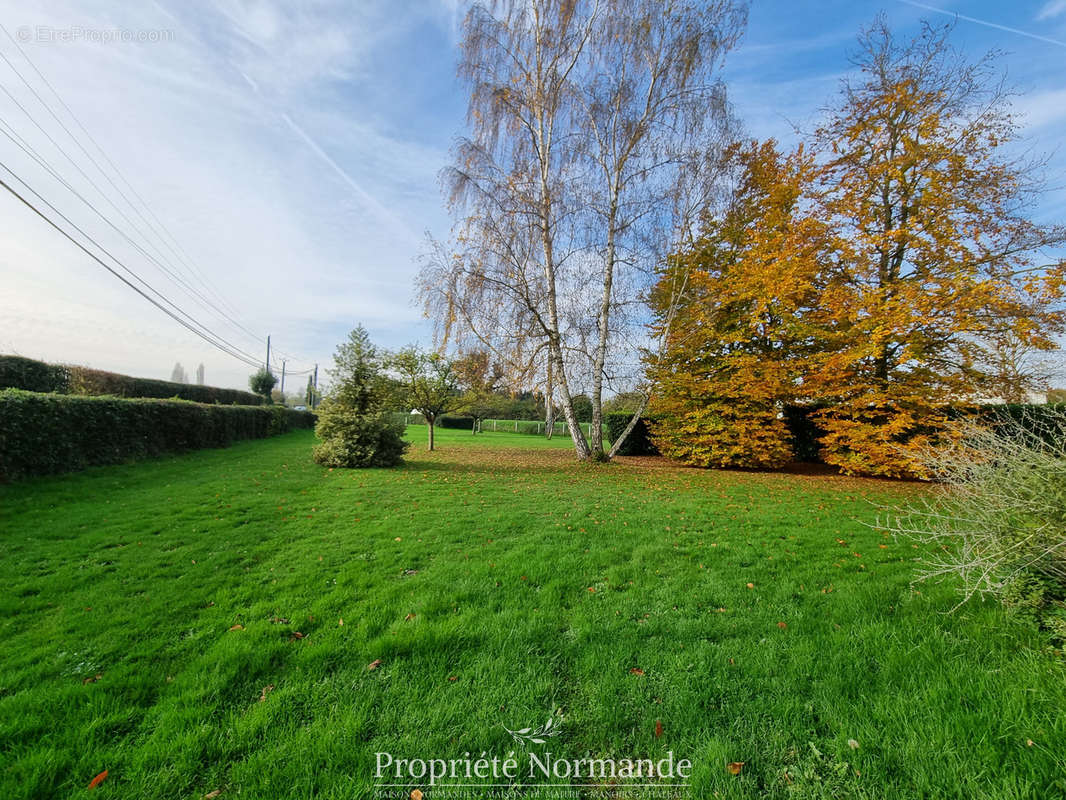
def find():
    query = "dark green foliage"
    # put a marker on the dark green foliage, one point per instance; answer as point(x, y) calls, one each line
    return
point(804, 432)
point(53, 433)
point(17, 372)
point(36, 376)
point(1046, 422)
point(622, 402)
point(262, 382)
point(638, 443)
point(354, 424)
point(351, 439)
point(463, 423)
point(583, 407)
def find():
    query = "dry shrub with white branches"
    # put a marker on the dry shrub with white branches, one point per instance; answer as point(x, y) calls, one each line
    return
point(1000, 520)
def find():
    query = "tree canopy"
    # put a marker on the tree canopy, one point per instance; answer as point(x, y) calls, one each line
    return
point(880, 272)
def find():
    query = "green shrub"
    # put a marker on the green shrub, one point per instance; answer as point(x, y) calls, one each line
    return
point(638, 443)
point(1046, 423)
point(262, 383)
point(352, 439)
point(52, 433)
point(460, 423)
point(17, 372)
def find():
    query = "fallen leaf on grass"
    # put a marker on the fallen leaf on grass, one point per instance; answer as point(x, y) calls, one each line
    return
point(658, 728)
point(98, 780)
point(782, 625)
point(854, 745)
point(263, 695)
point(735, 767)
point(416, 794)
point(212, 795)
point(409, 617)
point(637, 671)
point(340, 622)
point(295, 635)
point(453, 678)
point(93, 678)
point(751, 585)
point(237, 627)
point(373, 665)
point(279, 620)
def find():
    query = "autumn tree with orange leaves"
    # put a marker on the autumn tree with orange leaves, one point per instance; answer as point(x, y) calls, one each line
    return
point(905, 262)
point(936, 258)
point(737, 342)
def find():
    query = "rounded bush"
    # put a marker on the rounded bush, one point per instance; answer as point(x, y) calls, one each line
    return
point(351, 439)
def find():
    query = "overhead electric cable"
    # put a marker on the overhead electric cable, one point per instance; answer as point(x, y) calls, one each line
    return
point(192, 324)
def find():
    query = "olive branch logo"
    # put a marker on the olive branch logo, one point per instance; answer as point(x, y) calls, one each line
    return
point(528, 736)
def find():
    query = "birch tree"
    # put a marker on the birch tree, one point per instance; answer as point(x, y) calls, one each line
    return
point(590, 127)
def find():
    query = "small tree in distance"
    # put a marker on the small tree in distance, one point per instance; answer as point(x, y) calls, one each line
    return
point(426, 382)
point(480, 381)
point(262, 382)
point(354, 423)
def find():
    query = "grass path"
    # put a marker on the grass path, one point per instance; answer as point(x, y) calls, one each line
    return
point(750, 617)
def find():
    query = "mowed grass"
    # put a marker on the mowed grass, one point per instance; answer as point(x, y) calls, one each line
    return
point(724, 616)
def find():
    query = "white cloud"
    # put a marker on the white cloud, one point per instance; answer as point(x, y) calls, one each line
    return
point(1052, 9)
point(264, 136)
point(1042, 108)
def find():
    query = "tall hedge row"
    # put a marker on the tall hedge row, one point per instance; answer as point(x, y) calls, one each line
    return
point(44, 434)
point(17, 372)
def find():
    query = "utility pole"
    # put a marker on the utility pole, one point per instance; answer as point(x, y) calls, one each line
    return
point(283, 377)
point(314, 395)
point(268, 353)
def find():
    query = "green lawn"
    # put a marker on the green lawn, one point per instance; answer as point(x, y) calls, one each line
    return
point(744, 617)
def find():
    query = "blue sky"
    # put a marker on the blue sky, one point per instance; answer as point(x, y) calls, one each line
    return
point(292, 150)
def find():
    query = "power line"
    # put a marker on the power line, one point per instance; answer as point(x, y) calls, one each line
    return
point(179, 252)
point(194, 326)
point(23, 145)
point(26, 147)
point(73, 138)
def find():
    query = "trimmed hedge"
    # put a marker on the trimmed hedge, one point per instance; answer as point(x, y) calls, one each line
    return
point(17, 372)
point(1045, 422)
point(465, 423)
point(638, 443)
point(43, 434)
